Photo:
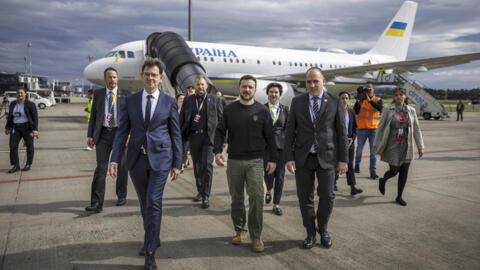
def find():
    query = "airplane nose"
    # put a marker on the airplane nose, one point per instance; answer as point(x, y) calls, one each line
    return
point(89, 72)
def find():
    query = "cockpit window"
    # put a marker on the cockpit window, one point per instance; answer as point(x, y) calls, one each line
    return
point(130, 54)
point(110, 54)
point(122, 54)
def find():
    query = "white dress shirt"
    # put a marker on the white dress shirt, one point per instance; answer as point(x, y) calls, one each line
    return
point(105, 121)
point(153, 100)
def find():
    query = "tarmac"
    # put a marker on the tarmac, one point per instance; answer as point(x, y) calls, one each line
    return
point(43, 224)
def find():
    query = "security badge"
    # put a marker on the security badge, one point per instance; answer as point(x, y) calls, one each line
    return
point(17, 114)
point(109, 116)
point(196, 119)
point(255, 118)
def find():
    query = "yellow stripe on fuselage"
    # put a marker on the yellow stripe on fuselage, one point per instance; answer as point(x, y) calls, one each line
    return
point(224, 81)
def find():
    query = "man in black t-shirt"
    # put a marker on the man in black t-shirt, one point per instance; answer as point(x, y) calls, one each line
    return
point(250, 134)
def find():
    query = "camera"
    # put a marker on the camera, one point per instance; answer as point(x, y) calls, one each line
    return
point(362, 92)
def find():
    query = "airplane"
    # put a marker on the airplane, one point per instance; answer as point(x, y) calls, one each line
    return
point(224, 64)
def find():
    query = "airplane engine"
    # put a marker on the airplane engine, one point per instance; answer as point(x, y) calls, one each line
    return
point(285, 99)
point(181, 65)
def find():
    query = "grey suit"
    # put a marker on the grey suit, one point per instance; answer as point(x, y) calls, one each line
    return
point(328, 130)
point(103, 139)
point(201, 141)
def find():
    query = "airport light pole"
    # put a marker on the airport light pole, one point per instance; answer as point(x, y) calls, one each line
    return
point(29, 46)
point(190, 20)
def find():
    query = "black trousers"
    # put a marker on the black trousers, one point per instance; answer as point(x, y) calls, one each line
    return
point(18, 132)
point(351, 181)
point(103, 151)
point(305, 180)
point(202, 157)
point(277, 177)
point(402, 171)
point(460, 115)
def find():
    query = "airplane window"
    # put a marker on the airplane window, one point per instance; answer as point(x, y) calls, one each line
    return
point(295, 63)
point(290, 63)
point(225, 60)
point(279, 63)
point(211, 59)
point(205, 58)
point(110, 54)
point(316, 65)
point(243, 61)
point(335, 66)
point(301, 64)
point(237, 60)
point(273, 62)
point(258, 62)
point(130, 54)
point(198, 58)
point(306, 64)
point(321, 66)
point(122, 54)
point(231, 60)
point(330, 66)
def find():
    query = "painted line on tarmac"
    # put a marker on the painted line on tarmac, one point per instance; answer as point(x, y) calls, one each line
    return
point(188, 169)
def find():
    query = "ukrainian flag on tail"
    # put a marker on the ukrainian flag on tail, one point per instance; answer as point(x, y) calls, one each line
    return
point(397, 29)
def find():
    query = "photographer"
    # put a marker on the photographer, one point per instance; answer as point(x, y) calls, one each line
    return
point(368, 108)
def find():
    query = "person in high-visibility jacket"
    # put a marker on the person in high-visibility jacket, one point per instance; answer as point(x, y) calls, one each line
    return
point(89, 104)
point(368, 117)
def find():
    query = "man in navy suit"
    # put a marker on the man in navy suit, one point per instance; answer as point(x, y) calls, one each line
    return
point(154, 150)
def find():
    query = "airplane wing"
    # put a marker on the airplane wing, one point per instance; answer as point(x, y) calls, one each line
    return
point(412, 66)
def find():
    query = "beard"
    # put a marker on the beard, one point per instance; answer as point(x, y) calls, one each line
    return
point(246, 98)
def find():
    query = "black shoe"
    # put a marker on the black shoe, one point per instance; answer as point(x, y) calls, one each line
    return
point(121, 201)
point(309, 241)
point(357, 169)
point(325, 239)
point(401, 201)
point(150, 263)
point(268, 198)
point(26, 168)
point(142, 250)
point(95, 207)
point(355, 190)
point(335, 188)
point(205, 203)
point(277, 211)
point(14, 169)
point(381, 185)
point(198, 198)
point(373, 175)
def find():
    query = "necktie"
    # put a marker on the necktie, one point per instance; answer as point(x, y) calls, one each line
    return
point(148, 110)
point(111, 121)
point(316, 108)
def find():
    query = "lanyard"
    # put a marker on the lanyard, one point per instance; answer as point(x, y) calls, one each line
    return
point(113, 102)
point(402, 118)
point(274, 115)
point(201, 104)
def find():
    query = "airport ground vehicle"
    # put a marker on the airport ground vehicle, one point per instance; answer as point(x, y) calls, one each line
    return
point(39, 101)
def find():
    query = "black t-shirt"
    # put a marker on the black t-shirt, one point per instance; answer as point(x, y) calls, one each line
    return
point(250, 132)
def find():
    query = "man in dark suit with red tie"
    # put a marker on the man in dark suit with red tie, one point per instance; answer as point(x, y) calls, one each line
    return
point(154, 150)
point(316, 144)
point(103, 124)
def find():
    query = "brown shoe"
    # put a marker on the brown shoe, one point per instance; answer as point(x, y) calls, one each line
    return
point(257, 245)
point(239, 238)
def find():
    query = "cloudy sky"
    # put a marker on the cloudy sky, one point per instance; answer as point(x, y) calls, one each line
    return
point(64, 33)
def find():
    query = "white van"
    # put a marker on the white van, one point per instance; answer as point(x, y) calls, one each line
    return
point(41, 102)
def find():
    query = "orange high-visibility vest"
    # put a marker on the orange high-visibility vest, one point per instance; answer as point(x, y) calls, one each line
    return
point(368, 117)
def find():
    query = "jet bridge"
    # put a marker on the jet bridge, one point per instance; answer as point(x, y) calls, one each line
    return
point(181, 65)
point(427, 105)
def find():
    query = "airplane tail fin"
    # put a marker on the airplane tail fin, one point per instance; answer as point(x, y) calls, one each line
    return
point(395, 38)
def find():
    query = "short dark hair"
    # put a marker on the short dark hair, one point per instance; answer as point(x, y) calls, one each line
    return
point(247, 77)
point(109, 69)
point(179, 94)
point(315, 68)
point(275, 84)
point(21, 88)
point(402, 91)
point(91, 91)
point(344, 92)
point(153, 63)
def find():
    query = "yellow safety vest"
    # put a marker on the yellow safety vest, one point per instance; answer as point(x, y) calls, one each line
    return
point(368, 117)
point(89, 108)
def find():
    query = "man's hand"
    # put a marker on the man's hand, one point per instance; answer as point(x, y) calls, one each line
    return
point(350, 141)
point(174, 173)
point(34, 134)
point(420, 153)
point(291, 166)
point(113, 170)
point(270, 167)
point(7, 131)
point(219, 159)
point(90, 142)
point(342, 167)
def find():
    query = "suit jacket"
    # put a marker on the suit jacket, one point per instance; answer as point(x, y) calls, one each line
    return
point(280, 126)
point(329, 130)
point(162, 138)
point(214, 109)
point(97, 115)
point(352, 125)
point(30, 113)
